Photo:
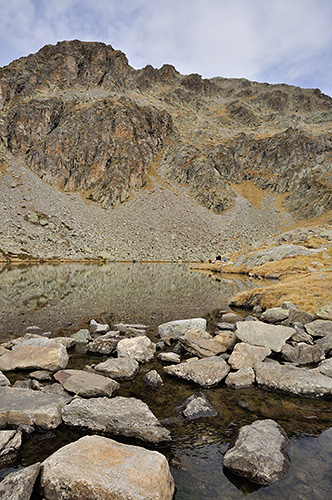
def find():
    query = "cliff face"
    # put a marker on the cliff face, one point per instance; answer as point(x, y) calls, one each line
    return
point(83, 120)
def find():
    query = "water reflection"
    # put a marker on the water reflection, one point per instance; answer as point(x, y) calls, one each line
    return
point(56, 296)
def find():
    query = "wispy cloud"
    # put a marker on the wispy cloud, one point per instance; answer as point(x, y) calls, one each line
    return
point(277, 40)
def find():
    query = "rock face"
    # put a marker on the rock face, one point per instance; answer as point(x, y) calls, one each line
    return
point(86, 384)
point(50, 357)
point(293, 380)
point(24, 406)
point(96, 465)
point(262, 334)
point(19, 485)
point(118, 416)
point(205, 372)
point(259, 453)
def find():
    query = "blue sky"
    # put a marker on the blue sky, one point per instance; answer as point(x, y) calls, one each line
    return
point(277, 41)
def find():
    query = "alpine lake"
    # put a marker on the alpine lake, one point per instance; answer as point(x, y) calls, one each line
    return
point(64, 298)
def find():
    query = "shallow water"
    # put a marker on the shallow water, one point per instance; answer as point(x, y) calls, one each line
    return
point(65, 297)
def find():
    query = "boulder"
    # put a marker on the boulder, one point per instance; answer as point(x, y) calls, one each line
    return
point(50, 357)
point(292, 380)
point(176, 329)
point(98, 467)
point(319, 328)
point(102, 345)
point(246, 355)
point(325, 312)
point(197, 406)
point(81, 337)
point(153, 379)
point(262, 334)
point(242, 379)
point(98, 327)
point(10, 444)
point(302, 354)
point(19, 485)
point(201, 344)
point(86, 384)
point(118, 416)
point(118, 368)
point(140, 349)
point(298, 316)
point(28, 407)
point(275, 314)
point(169, 357)
point(259, 453)
point(205, 372)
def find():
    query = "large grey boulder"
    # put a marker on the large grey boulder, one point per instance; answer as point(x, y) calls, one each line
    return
point(50, 357)
point(319, 328)
point(139, 348)
point(28, 407)
point(275, 314)
point(118, 416)
point(86, 384)
point(98, 467)
point(258, 333)
point(325, 367)
point(246, 355)
point(259, 453)
point(205, 372)
point(292, 380)
point(10, 444)
point(118, 368)
point(19, 485)
point(201, 344)
point(302, 354)
point(176, 329)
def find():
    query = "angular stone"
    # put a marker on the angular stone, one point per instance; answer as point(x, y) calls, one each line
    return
point(325, 312)
point(298, 316)
point(246, 355)
point(139, 348)
point(153, 379)
point(292, 380)
point(242, 379)
point(275, 314)
point(102, 346)
point(19, 485)
point(301, 335)
point(262, 334)
point(325, 343)
point(175, 329)
point(98, 467)
point(201, 344)
point(288, 305)
point(118, 368)
point(259, 453)
point(302, 354)
point(169, 357)
point(41, 375)
point(205, 372)
point(50, 357)
point(197, 406)
point(68, 342)
point(227, 338)
point(325, 367)
point(4, 382)
point(82, 336)
point(24, 406)
point(10, 444)
point(319, 328)
point(98, 327)
point(226, 326)
point(231, 318)
point(118, 416)
point(86, 384)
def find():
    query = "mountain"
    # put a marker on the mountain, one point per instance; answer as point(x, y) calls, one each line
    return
point(98, 158)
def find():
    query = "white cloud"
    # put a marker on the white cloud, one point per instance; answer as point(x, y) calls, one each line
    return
point(275, 40)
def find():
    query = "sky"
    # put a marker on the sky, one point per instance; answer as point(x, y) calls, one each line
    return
point(275, 41)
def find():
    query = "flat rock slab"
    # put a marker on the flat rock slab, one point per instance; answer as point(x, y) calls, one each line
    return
point(139, 348)
point(259, 453)
point(19, 485)
point(201, 344)
point(119, 416)
point(169, 357)
point(262, 334)
point(176, 329)
point(246, 355)
point(86, 384)
point(50, 357)
point(293, 380)
point(205, 372)
point(28, 407)
point(98, 467)
point(118, 368)
point(10, 444)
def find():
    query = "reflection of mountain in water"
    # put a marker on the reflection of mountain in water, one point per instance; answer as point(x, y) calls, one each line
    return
point(55, 296)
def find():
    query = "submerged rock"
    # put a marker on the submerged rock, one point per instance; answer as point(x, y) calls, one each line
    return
point(197, 406)
point(86, 384)
point(98, 467)
point(261, 334)
point(205, 372)
point(176, 329)
point(50, 357)
point(153, 378)
point(259, 453)
point(119, 416)
point(19, 485)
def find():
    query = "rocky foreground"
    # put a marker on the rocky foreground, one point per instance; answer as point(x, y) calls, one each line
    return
point(281, 349)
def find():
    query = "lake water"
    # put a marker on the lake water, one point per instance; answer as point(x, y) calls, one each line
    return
point(63, 298)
